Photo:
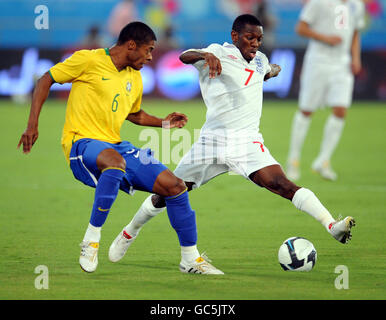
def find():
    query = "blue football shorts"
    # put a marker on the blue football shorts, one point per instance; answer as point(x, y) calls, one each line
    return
point(142, 169)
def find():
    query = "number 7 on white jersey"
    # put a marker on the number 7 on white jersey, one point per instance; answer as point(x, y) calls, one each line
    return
point(249, 76)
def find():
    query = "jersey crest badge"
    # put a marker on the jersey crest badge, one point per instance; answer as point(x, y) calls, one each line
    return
point(259, 65)
point(128, 86)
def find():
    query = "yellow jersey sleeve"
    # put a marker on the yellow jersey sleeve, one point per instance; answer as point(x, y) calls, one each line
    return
point(72, 68)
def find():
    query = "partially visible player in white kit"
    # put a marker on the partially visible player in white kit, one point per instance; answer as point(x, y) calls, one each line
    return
point(231, 79)
point(332, 59)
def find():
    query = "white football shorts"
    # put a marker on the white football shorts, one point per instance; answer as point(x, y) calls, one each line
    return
point(325, 85)
point(211, 156)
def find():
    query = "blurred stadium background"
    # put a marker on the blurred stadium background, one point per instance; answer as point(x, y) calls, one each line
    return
point(28, 47)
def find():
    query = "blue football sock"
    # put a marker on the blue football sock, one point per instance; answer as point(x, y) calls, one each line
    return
point(106, 192)
point(182, 218)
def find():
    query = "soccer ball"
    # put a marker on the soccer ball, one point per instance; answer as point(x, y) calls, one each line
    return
point(297, 254)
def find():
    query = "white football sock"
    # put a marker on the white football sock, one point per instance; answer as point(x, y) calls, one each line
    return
point(300, 125)
point(189, 254)
point(143, 215)
point(93, 234)
point(305, 200)
point(331, 135)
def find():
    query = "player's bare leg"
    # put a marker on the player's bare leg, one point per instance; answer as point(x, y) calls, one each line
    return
point(151, 207)
point(300, 125)
point(274, 179)
point(331, 136)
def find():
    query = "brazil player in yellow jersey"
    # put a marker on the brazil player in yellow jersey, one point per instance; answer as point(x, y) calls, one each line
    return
point(106, 91)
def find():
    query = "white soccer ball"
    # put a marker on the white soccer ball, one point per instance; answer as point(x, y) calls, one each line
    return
point(297, 254)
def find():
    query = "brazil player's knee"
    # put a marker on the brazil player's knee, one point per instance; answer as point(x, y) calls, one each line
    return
point(175, 187)
point(116, 163)
point(167, 184)
point(110, 158)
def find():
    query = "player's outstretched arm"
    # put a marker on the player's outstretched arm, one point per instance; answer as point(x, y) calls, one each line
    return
point(304, 30)
point(193, 56)
point(275, 69)
point(39, 96)
point(356, 64)
point(173, 120)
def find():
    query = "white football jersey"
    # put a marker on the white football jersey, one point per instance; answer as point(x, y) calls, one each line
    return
point(234, 99)
point(333, 17)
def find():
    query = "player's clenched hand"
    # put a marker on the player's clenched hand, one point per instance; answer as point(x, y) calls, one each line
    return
point(28, 138)
point(214, 65)
point(275, 69)
point(332, 40)
point(356, 66)
point(175, 120)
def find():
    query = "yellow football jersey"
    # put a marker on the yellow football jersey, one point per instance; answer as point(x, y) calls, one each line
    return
point(100, 99)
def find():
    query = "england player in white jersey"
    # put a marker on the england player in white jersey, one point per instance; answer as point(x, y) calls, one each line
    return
point(230, 138)
point(231, 79)
point(332, 59)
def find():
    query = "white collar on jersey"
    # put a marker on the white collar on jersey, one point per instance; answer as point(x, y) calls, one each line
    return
point(232, 46)
point(236, 51)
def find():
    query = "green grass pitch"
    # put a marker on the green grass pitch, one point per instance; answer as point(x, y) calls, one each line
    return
point(44, 212)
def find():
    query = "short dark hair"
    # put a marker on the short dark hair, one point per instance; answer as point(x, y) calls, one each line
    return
point(241, 21)
point(136, 31)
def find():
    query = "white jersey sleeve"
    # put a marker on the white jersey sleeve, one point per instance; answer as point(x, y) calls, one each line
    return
point(310, 11)
point(268, 68)
point(214, 48)
point(360, 16)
